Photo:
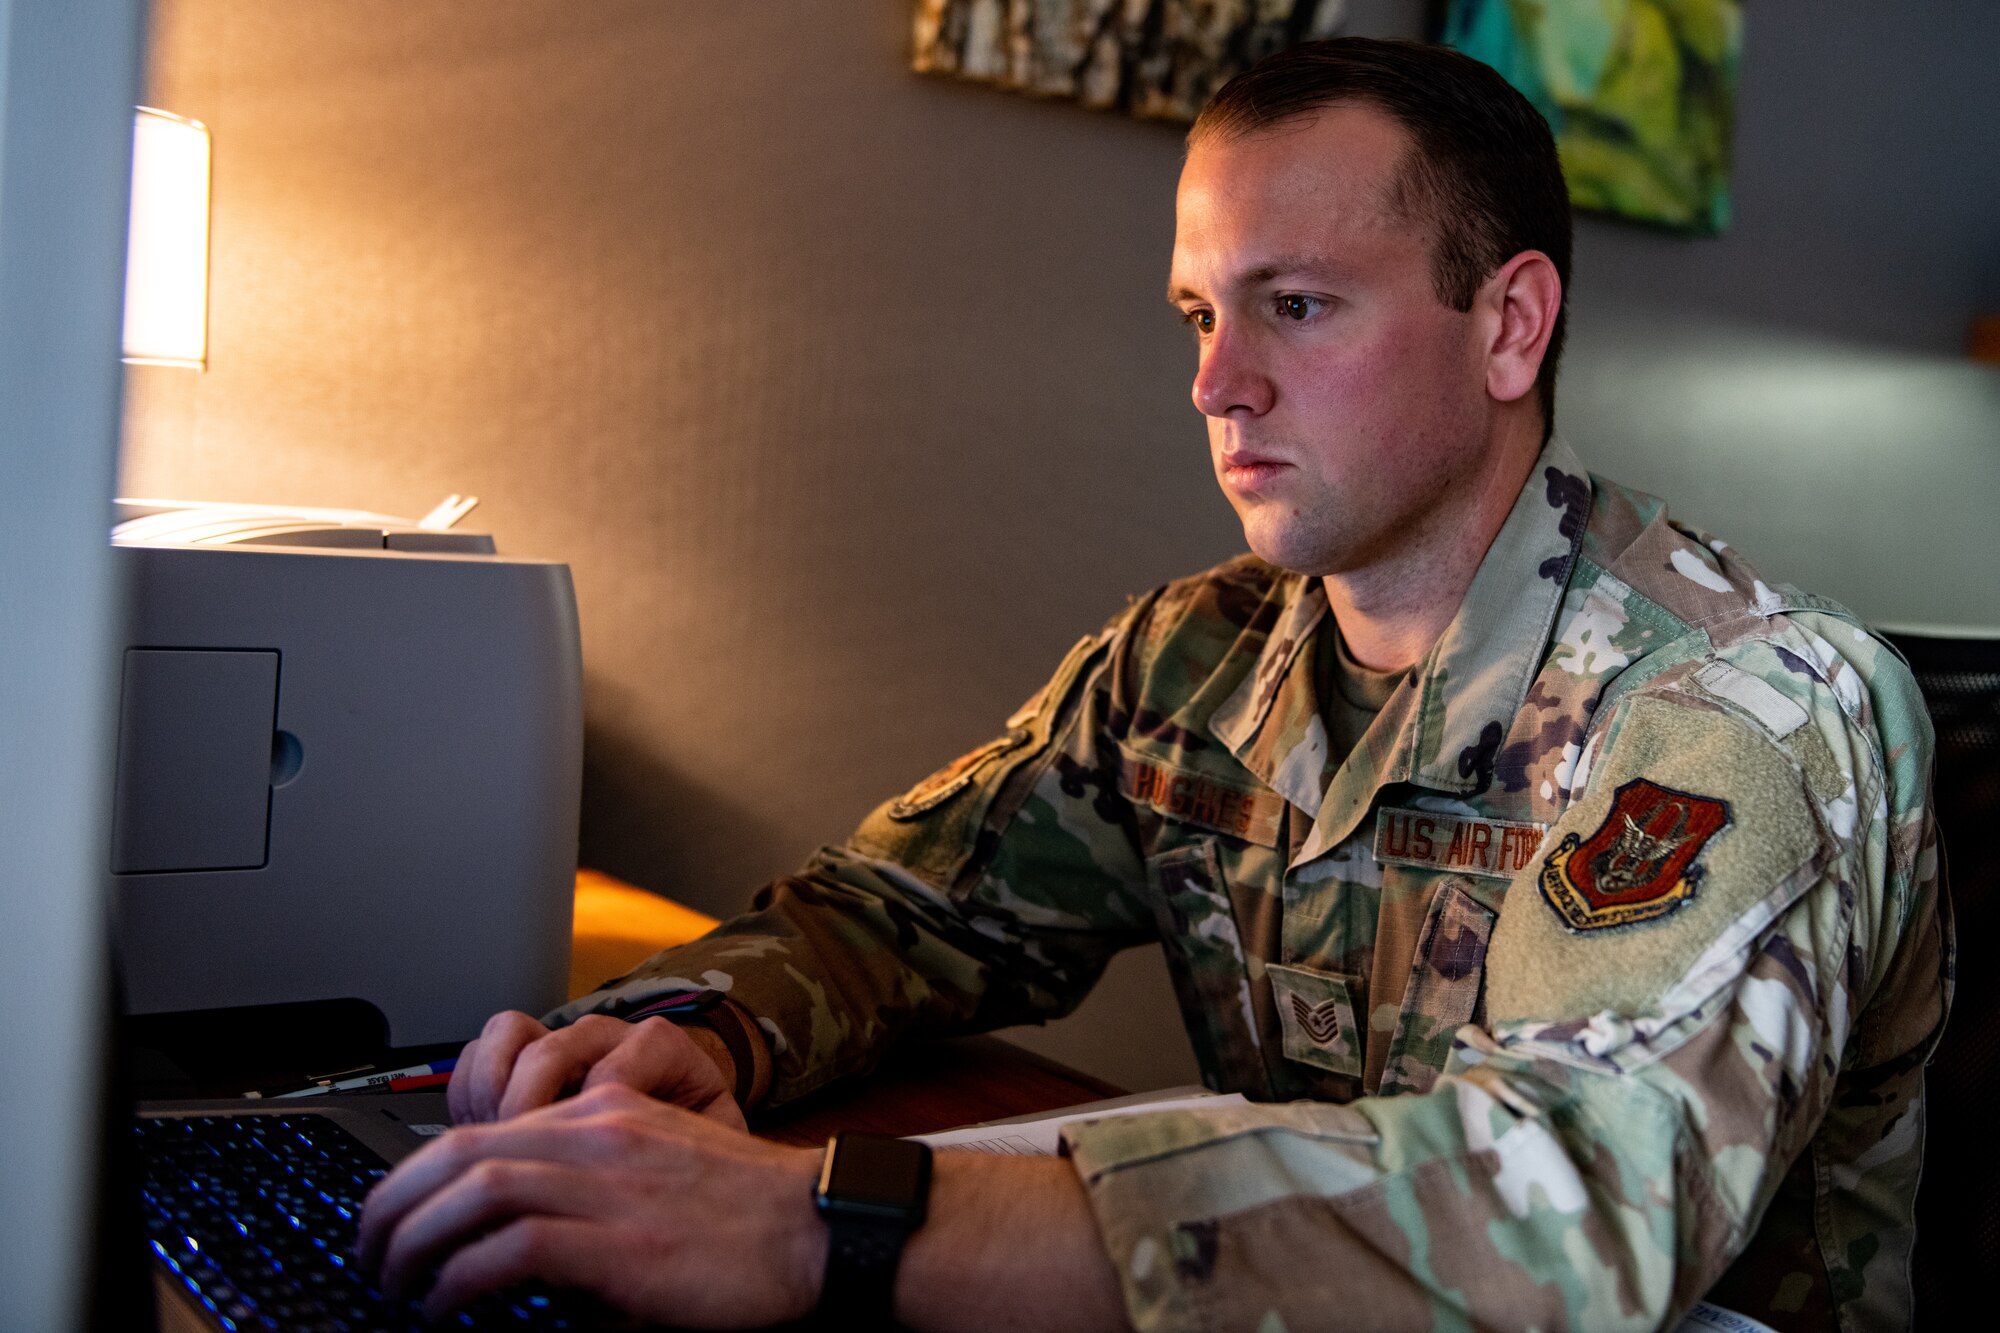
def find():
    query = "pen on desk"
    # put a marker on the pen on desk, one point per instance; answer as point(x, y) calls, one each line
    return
point(309, 1081)
point(395, 1080)
point(418, 1081)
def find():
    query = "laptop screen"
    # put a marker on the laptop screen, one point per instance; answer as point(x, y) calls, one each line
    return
point(68, 81)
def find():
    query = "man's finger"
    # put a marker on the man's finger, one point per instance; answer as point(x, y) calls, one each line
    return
point(500, 1043)
point(564, 1251)
point(557, 1062)
point(653, 1056)
point(458, 1091)
point(488, 1195)
point(665, 1061)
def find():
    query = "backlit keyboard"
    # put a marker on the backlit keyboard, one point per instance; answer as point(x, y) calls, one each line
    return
point(255, 1216)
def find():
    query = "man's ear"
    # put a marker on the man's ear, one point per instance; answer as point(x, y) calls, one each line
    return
point(1521, 301)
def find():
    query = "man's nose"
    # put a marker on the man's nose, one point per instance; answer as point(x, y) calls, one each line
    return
point(1229, 381)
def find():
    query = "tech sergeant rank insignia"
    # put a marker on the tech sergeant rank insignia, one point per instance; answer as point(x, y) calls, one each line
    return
point(1639, 864)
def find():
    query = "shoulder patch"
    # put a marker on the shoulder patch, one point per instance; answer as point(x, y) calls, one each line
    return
point(933, 828)
point(1638, 864)
point(1028, 725)
point(954, 777)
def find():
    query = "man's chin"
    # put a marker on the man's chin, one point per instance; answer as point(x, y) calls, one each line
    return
point(1292, 551)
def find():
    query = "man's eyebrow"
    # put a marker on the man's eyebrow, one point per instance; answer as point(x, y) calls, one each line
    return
point(1306, 266)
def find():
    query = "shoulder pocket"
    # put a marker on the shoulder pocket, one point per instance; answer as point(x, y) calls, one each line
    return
point(1444, 991)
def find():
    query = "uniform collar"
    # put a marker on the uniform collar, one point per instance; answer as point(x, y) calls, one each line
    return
point(1442, 728)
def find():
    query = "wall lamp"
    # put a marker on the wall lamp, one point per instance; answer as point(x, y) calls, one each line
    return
point(166, 260)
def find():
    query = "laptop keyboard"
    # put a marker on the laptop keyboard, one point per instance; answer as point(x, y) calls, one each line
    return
point(255, 1216)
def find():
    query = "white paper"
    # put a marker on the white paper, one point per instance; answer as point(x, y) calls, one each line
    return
point(1041, 1135)
point(1706, 1318)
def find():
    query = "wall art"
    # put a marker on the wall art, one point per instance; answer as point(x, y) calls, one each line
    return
point(1641, 95)
point(1159, 59)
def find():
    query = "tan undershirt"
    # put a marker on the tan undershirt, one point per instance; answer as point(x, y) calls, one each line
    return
point(1353, 695)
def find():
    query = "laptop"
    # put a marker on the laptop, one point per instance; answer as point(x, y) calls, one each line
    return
point(249, 1212)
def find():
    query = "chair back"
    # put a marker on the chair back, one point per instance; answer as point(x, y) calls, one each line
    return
point(1958, 1203)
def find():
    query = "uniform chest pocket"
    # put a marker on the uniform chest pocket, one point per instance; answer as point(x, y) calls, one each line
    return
point(1446, 987)
point(1211, 975)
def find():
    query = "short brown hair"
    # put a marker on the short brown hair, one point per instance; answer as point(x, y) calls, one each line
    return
point(1482, 174)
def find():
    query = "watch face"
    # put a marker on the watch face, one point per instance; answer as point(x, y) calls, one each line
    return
point(878, 1172)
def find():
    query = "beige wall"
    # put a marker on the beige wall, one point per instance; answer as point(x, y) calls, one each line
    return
point(851, 397)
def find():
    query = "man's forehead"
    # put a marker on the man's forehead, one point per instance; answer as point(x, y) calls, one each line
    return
point(1291, 198)
point(1349, 154)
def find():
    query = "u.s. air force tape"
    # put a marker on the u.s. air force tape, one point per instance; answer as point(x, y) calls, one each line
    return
point(1462, 844)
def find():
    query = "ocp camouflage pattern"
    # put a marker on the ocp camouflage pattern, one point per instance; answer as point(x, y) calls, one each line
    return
point(1468, 1113)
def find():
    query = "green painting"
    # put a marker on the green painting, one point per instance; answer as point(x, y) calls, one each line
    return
point(1641, 95)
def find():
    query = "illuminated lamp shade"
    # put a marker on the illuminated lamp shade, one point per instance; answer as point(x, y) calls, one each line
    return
point(166, 260)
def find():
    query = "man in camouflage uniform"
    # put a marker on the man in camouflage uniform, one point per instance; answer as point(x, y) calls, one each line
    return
point(1582, 967)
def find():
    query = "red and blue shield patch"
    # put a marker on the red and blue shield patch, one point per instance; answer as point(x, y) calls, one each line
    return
point(1639, 864)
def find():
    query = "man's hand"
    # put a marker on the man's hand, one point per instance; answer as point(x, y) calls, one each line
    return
point(516, 1065)
point(678, 1220)
point(664, 1213)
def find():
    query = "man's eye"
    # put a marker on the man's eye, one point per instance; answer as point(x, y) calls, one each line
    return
point(1297, 307)
point(1202, 320)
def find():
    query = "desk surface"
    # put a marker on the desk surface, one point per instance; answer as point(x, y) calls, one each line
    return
point(937, 1086)
point(930, 1087)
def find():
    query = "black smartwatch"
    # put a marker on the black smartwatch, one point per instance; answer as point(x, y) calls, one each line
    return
point(872, 1192)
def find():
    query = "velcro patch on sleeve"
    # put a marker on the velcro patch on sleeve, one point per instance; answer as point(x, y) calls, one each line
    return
point(1694, 818)
point(1461, 844)
point(1190, 796)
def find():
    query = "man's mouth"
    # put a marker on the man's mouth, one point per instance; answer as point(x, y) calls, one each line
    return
point(1243, 469)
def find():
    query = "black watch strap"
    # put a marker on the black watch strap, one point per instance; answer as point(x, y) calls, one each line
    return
point(873, 1192)
point(861, 1259)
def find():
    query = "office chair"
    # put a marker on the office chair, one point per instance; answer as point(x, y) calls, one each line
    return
point(1958, 1203)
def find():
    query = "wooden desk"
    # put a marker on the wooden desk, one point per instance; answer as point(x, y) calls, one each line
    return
point(937, 1086)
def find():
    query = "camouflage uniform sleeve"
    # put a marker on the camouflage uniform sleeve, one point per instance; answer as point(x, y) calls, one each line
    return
point(990, 894)
point(1657, 1050)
